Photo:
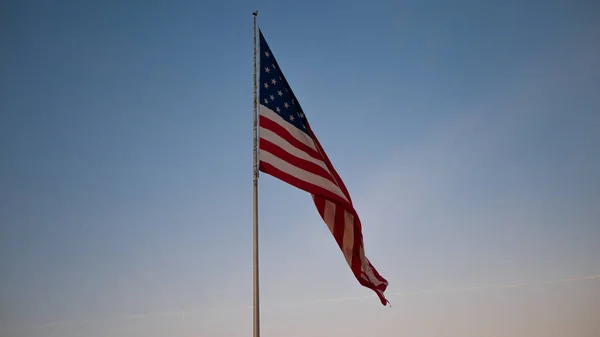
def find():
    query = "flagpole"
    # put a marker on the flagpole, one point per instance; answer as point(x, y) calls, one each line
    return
point(255, 186)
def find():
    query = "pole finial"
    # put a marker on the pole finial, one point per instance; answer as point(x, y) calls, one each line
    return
point(255, 13)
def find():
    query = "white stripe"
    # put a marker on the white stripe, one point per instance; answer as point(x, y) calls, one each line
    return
point(301, 174)
point(299, 135)
point(291, 149)
point(367, 270)
point(329, 215)
point(348, 241)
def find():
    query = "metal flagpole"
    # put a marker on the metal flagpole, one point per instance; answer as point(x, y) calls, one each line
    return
point(255, 183)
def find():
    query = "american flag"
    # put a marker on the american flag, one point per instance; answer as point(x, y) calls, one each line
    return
point(290, 151)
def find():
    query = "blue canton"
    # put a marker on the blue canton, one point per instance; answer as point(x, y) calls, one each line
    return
point(274, 91)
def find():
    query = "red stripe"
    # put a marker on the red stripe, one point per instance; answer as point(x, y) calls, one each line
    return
point(320, 203)
point(358, 244)
point(285, 134)
point(340, 226)
point(301, 184)
point(306, 165)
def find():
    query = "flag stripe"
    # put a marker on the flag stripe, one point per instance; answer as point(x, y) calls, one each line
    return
point(294, 180)
point(269, 139)
point(284, 133)
point(328, 214)
point(266, 113)
point(348, 243)
point(273, 149)
point(341, 225)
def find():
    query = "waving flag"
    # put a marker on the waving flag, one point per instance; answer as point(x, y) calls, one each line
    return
point(290, 151)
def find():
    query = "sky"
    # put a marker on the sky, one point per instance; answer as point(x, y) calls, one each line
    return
point(466, 133)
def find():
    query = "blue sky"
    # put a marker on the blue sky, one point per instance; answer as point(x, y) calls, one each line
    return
point(466, 133)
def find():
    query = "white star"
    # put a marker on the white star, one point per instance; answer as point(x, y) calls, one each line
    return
point(279, 93)
point(272, 98)
point(267, 70)
point(291, 118)
point(266, 85)
point(281, 79)
point(266, 101)
point(278, 110)
point(273, 65)
point(267, 54)
point(274, 81)
point(301, 114)
point(286, 105)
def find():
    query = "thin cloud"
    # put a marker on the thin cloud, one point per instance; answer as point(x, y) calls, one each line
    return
point(183, 315)
point(466, 289)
